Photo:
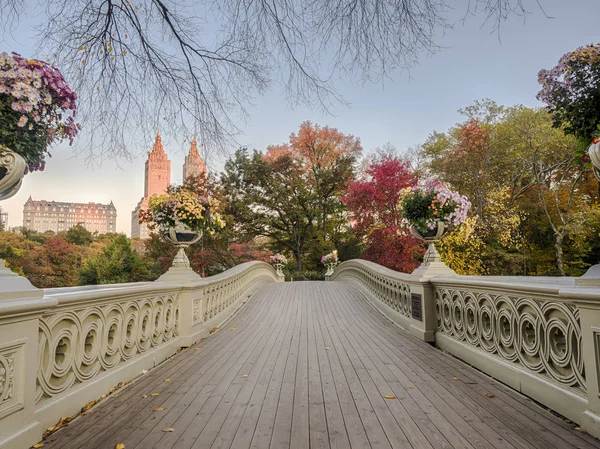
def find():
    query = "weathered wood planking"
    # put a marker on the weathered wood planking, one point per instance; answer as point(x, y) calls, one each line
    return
point(308, 366)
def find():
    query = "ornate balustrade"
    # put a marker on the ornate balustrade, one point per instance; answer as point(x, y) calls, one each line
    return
point(389, 290)
point(540, 335)
point(68, 346)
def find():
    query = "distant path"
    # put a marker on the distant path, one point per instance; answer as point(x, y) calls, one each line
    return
point(308, 365)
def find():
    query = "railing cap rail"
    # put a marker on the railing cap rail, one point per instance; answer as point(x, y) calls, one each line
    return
point(379, 269)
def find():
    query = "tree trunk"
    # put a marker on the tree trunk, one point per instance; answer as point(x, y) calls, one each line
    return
point(559, 236)
point(298, 257)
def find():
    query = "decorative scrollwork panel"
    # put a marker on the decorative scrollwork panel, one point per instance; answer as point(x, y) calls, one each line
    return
point(541, 336)
point(76, 345)
point(392, 292)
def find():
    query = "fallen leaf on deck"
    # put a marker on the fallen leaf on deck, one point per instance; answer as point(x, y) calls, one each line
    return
point(411, 387)
point(234, 328)
point(36, 446)
point(455, 378)
point(491, 395)
point(145, 396)
point(327, 348)
point(245, 375)
point(196, 349)
point(120, 446)
point(389, 396)
point(88, 406)
point(167, 380)
point(168, 429)
point(158, 409)
point(578, 428)
point(154, 394)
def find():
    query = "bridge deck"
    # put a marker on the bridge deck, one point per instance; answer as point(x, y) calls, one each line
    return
point(309, 365)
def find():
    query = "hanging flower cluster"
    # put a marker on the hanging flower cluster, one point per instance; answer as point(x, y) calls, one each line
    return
point(432, 201)
point(571, 91)
point(331, 258)
point(37, 108)
point(183, 206)
point(278, 259)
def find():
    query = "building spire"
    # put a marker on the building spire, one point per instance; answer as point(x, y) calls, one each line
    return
point(194, 149)
point(158, 151)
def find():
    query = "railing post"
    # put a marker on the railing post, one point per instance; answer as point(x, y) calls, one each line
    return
point(191, 304)
point(21, 305)
point(423, 320)
point(588, 303)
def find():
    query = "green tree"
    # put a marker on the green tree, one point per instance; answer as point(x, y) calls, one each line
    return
point(78, 235)
point(291, 194)
point(118, 263)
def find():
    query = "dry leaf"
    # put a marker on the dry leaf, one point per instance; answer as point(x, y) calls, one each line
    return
point(88, 406)
point(455, 378)
point(234, 328)
point(112, 390)
point(411, 387)
point(327, 348)
point(196, 349)
point(168, 429)
point(158, 409)
point(245, 375)
point(167, 380)
point(389, 396)
point(36, 446)
point(120, 446)
point(491, 395)
point(578, 428)
point(145, 396)
point(154, 394)
point(103, 396)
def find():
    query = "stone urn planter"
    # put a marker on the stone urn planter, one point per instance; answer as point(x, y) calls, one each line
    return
point(279, 269)
point(594, 153)
point(12, 171)
point(181, 237)
point(330, 268)
point(431, 236)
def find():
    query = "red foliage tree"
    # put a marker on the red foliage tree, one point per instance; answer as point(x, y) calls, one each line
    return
point(375, 216)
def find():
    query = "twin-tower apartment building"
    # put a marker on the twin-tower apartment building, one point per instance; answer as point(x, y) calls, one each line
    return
point(43, 215)
point(158, 178)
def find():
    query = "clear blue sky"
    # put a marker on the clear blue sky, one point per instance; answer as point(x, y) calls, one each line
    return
point(402, 111)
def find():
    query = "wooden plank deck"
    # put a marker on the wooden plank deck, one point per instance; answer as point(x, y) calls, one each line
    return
point(308, 365)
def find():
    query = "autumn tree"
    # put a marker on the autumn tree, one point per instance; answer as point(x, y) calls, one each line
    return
point(290, 194)
point(372, 202)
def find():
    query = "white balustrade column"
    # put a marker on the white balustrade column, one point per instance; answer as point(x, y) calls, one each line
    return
point(21, 305)
point(423, 319)
point(588, 303)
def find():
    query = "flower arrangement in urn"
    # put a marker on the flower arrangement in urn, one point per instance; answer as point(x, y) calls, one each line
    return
point(431, 208)
point(330, 261)
point(182, 216)
point(279, 261)
point(37, 109)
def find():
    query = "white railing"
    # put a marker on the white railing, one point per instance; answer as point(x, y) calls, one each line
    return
point(66, 348)
point(541, 336)
point(532, 327)
point(388, 288)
